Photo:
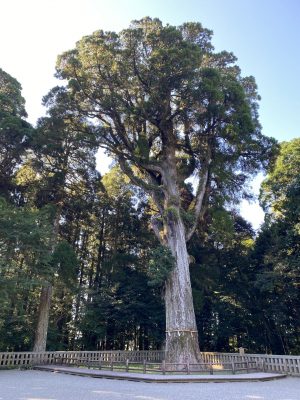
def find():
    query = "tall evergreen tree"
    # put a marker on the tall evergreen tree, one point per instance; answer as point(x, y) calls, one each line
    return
point(276, 255)
point(168, 108)
point(61, 160)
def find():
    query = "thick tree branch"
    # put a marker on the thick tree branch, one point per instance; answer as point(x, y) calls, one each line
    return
point(201, 190)
point(153, 189)
point(156, 226)
point(149, 188)
point(150, 167)
point(157, 196)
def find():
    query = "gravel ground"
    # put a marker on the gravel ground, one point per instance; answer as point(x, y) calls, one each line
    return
point(39, 385)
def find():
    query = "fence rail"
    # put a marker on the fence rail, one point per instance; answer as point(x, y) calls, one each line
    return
point(161, 367)
point(268, 363)
point(11, 359)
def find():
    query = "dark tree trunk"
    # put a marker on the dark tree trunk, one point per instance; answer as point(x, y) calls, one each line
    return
point(43, 319)
point(41, 331)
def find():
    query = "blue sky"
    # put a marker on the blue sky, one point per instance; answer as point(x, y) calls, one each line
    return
point(263, 34)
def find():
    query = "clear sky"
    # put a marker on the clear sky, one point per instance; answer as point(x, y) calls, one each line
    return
point(263, 34)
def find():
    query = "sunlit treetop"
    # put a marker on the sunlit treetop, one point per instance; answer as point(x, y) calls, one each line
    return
point(282, 181)
point(11, 100)
point(168, 108)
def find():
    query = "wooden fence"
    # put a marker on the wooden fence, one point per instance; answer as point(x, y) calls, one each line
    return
point(11, 359)
point(162, 367)
point(269, 363)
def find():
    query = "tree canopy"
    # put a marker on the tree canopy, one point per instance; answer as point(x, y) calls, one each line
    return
point(15, 132)
point(153, 92)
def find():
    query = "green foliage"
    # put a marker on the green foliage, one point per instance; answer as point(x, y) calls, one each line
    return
point(282, 176)
point(159, 267)
point(187, 217)
point(116, 184)
point(147, 85)
point(171, 213)
point(142, 149)
point(276, 253)
point(221, 227)
point(11, 101)
point(65, 263)
point(24, 264)
point(15, 132)
point(246, 289)
point(25, 230)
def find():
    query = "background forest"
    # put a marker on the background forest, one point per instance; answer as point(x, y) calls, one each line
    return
point(86, 237)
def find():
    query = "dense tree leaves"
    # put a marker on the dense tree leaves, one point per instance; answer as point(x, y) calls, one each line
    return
point(119, 309)
point(24, 265)
point(15, 132)
point(283, 178)
point(148, 81)
point(276, 256)
point(11, 100)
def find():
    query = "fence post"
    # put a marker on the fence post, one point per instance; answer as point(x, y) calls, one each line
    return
point(163, 367)
point(188, 368)
point(247, 366)
point(211, 370)
point(233, 367)
point(127, 364)
point(111, 363)
point(286, 368)
point(144, 366)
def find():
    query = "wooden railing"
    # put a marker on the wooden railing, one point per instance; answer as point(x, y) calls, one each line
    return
point(269, 363)
point(11, 359)
point(160, 367)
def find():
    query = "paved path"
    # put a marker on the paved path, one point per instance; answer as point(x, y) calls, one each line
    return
point(39, 385)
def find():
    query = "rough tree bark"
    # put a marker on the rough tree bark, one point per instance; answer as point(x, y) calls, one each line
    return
point(40, 339)
point(181, 330)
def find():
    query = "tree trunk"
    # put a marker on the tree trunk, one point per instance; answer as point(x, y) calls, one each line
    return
point(43, 319)
point(181, 330)
point(40, 340)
